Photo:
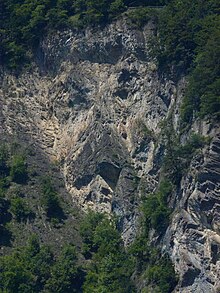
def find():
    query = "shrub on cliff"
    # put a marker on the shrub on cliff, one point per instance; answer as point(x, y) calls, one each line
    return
point(18, 169)
point(162, 275)
point(50, 200)
point(4, 156)
point(155, 210)
point(19, 209)
point(111, 267)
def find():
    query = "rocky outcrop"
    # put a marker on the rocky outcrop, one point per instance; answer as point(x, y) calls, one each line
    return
point(94, 106)
point(193, 236)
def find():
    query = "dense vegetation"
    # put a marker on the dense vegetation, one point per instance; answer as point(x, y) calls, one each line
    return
point(107, 266)
point(34, 268)
point(111, 267)
point(13, 168)
point(189, 34)
point(188, 44)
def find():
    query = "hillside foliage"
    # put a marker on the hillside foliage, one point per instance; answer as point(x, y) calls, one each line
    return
point(34, 268)
point(189, 34)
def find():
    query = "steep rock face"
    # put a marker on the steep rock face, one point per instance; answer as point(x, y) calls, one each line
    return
point(94, 106)
point(193, 235)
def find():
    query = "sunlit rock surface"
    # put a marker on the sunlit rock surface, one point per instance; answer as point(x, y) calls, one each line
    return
point(94, 105)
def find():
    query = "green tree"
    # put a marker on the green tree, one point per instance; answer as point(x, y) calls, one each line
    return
point(50, 200)
point(179, 24)
point(203, 92)
point(19, 209)
point(18, 169)
point(155, 209)
point(15, 275)
point(65, 275)
point(17, 269)
point(111, 266)
point(116, 7)
point(4, 156)
point(162, 275)
point(87, 231)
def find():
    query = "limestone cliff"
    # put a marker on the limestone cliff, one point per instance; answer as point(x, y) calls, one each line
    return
point(94, 105)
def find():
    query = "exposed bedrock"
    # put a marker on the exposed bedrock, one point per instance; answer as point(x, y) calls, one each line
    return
point(193, 236)
point(94, 106)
